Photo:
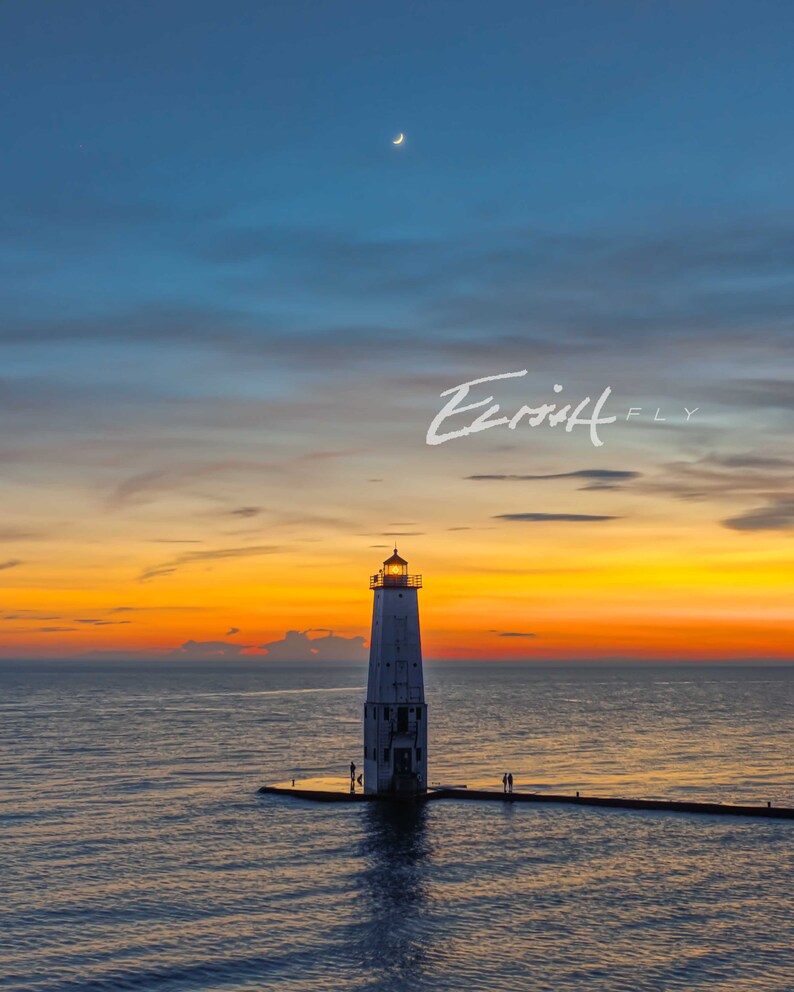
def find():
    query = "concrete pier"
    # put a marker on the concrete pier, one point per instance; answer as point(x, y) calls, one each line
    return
point(329, 791)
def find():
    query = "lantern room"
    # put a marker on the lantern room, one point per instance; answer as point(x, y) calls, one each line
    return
point(395, 566)
point(394, 573)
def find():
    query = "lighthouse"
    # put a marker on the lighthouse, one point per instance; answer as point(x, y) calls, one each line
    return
point(395, 713)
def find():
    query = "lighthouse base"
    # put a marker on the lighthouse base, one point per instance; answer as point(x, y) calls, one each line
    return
point(406, 784)
point(337, 790)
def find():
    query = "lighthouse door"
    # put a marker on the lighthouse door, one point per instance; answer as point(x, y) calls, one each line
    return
point(402, 760)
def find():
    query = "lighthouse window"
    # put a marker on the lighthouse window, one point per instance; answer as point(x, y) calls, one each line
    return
point(419, 713)
point(385, 754)
point(385, 712)
point(402, 719)
point(419, 754)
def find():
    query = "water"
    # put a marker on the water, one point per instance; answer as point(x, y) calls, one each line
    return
point(135, 853)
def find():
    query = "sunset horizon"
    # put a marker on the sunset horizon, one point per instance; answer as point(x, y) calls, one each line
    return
point(596, 610)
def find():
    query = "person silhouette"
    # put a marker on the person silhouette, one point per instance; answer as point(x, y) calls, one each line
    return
point(510, 782)
point(352, 771)
point(504, 782)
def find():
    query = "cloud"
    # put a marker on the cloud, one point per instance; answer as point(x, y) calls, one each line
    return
point(158, 609)
point(156, 482)
point(55, 630)
point(778, 514)
point(28, 615)
point(539, 518)
point(776, 394)
point(603, 474)
point(297, 646)
point(200, 650)
point(15, 534)
point(608, 286)
point(511, 633)
point(615, 287)
point(172, 540)
point(232, 630)
point(576, 291)
point(747, 460)
point(191, 557)
point(196, 557)
point(100, 623)
point(733, 476)
point(154, 573)
point(600, 478)
point(722, 476)
point(10, 563)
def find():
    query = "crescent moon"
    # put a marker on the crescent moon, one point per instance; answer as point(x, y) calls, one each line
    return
point(399, 140)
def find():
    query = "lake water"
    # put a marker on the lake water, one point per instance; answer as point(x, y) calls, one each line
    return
point(135, 853)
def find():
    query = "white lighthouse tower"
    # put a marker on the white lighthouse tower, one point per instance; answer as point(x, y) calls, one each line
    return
point(395, 714)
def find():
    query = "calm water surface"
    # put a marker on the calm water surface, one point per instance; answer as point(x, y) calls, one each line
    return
point(136, 855)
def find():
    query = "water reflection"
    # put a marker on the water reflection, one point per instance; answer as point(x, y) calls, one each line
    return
point(393, 888)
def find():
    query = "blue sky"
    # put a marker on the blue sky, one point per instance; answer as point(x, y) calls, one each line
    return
point(143, 142)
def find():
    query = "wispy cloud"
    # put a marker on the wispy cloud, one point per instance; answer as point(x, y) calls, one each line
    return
point(28, 615)
point(197, 557)
point(17, 534)
point(602, 474)
point(512, 633)
point(99, 622)
point(246, 511)
point(758, 394)
point(777, 514)
point(155, 573)
point(173, 540)
point(597, 478)
point(539, 518)
point(154, 482)
point(163, 608)
point(721, 476)
point(10, 563)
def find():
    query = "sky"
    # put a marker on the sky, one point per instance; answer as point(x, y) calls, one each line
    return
point(229, 306)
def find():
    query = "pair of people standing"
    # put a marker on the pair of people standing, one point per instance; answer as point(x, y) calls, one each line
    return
point(507, 781)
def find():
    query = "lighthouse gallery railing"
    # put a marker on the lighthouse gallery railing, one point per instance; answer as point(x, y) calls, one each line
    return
point(380, 580)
